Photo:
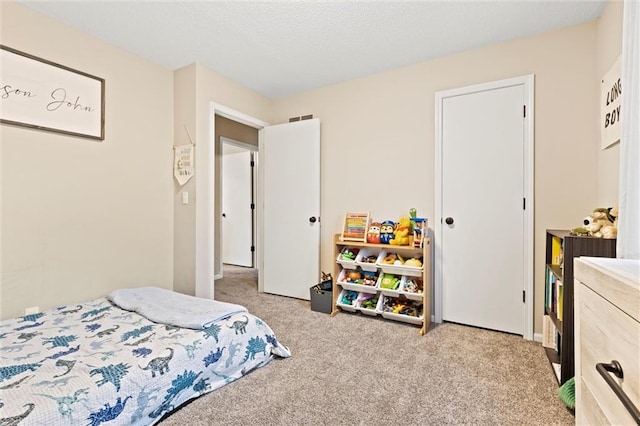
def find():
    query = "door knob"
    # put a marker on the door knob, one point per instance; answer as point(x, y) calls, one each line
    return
point(449, 221)
point(312, 219)
point(224, 215)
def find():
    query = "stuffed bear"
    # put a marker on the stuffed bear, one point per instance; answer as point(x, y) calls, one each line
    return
point(401, 233)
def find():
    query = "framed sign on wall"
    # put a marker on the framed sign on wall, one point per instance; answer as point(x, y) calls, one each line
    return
point(610, 101)
point(43, 95)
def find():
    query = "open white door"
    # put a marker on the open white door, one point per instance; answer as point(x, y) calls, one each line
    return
point(290, 196)
point(237, 215)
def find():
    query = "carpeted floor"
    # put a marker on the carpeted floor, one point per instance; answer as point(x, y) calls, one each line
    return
point(353, 369)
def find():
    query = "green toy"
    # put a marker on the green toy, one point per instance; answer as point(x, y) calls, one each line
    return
point(567, 393)
point(389, 281)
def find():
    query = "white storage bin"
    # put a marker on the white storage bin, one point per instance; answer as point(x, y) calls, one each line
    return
point(366, 311)
point(402, 317)
point(356, 285)
point(410, 282)
point(346, 263)
point(397, 268)
point(346, 306)
point(364, 254)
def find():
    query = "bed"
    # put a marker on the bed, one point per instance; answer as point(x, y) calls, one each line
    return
point(98, 362)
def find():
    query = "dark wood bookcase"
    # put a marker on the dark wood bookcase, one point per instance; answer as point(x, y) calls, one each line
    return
point(571, 247)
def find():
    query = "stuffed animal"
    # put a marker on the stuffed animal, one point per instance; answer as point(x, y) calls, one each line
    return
point(598, 224)
point(401, 234)
point(386, 231)
point(373, 233)
point(611, 231)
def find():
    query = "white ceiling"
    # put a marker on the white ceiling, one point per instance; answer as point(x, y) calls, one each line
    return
point(281, 48)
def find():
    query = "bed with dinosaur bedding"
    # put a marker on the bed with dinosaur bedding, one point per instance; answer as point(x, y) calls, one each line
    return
point(129, 358)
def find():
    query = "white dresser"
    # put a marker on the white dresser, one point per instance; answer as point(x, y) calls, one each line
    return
point(607, 339)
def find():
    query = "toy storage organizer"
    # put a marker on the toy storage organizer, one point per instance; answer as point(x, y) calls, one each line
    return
point(365, 283)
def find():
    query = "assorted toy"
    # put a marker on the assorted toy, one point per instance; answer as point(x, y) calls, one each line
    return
point(352, 276)
point(369, 278)
point(368, 301)
point(390, 259)
point(419, 225)
point(369, 259)
point(357, 276)
point(412, 285)
point(402, 307)
point(415, 262)
point(349, 253)
point(349, 297)
point(409, 230)
point(397, 259)
point(601, 223)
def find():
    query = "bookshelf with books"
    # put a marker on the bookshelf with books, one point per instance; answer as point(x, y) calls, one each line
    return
point(557, 323)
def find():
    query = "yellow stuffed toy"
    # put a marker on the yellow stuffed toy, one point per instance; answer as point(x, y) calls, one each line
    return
point(401, 233)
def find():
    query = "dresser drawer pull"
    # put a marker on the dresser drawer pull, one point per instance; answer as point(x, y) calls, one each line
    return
point(615, 368)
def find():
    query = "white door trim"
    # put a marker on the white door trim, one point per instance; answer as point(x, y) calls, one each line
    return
point(205, 184)
point(239, 144)
point(527, 81)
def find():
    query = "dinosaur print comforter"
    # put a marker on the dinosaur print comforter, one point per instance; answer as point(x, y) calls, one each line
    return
point(93, 363)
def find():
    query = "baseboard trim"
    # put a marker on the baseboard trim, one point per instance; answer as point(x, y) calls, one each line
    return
point(537, 337)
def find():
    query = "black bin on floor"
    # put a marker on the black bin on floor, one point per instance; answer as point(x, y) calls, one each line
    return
point(322, 297)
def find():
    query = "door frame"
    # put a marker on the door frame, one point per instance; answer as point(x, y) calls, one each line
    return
point(254, 150)
point(527, 81)
point(205, 185)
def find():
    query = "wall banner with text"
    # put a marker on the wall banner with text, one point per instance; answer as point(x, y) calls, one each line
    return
point(183, 163)
point(610, 101)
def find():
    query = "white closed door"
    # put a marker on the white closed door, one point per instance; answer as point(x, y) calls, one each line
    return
point(237, 214)
point(290, 168)
point(482, 246)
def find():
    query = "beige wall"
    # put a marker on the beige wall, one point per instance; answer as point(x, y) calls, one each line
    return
point(200, 88)
point(609, 44)
point(378, 134)
point(184, 226)
point(81, 218)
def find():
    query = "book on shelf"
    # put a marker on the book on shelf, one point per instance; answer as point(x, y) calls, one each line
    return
point(548, 333)
point(556, 251)
point(560, 300)
point(550, 290)
point(556, 369)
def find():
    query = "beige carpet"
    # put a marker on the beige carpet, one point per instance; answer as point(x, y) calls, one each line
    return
point(353, 369)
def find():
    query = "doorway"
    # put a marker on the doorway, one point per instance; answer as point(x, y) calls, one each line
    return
point(238, 139)
point(238, 181)
point(484, 206)
point(207, 251)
